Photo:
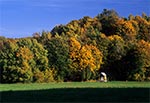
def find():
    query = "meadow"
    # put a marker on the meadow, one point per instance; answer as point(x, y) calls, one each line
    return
point(112, 91)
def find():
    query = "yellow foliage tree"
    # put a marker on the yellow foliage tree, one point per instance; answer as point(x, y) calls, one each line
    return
point(84, 57)
point(25, 57)
point(144, 28)
point(141, 61)
point(126, 29)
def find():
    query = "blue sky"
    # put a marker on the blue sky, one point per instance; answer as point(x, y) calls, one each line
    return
point(22, 18)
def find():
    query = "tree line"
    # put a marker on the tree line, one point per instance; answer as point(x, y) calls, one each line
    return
point(80, 50)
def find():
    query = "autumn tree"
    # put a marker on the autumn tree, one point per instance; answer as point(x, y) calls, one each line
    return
point(85, 60)
point(139, 59)
point(40, 60)
point(24, 59)
point(40, 54)
point(144, 29)
point(127, 29)
point(80, 50)
point(15, 63)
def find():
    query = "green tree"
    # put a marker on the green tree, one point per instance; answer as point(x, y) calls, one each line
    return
point(58, 55)
point(8, 60)
point(45, 37)
point(141, 63)
point(144, 28)
point(15, 63)
point(108, 19)
point(40, 54)
point(116, 51)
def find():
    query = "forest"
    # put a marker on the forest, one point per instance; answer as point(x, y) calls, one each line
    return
point(80, 50)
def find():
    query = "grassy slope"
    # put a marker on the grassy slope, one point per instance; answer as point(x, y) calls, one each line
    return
point(76, 92)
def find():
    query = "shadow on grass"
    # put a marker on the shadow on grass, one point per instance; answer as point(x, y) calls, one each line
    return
point(78, 95)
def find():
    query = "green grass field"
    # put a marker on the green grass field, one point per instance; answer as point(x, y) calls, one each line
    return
point(115, 91)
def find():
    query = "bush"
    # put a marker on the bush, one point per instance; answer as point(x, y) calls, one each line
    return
point(38, 77)
point(49, 75)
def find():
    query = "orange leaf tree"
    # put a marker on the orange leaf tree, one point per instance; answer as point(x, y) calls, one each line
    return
point(86, 59)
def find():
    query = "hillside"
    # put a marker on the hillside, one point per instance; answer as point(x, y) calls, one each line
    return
point(80, 50)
